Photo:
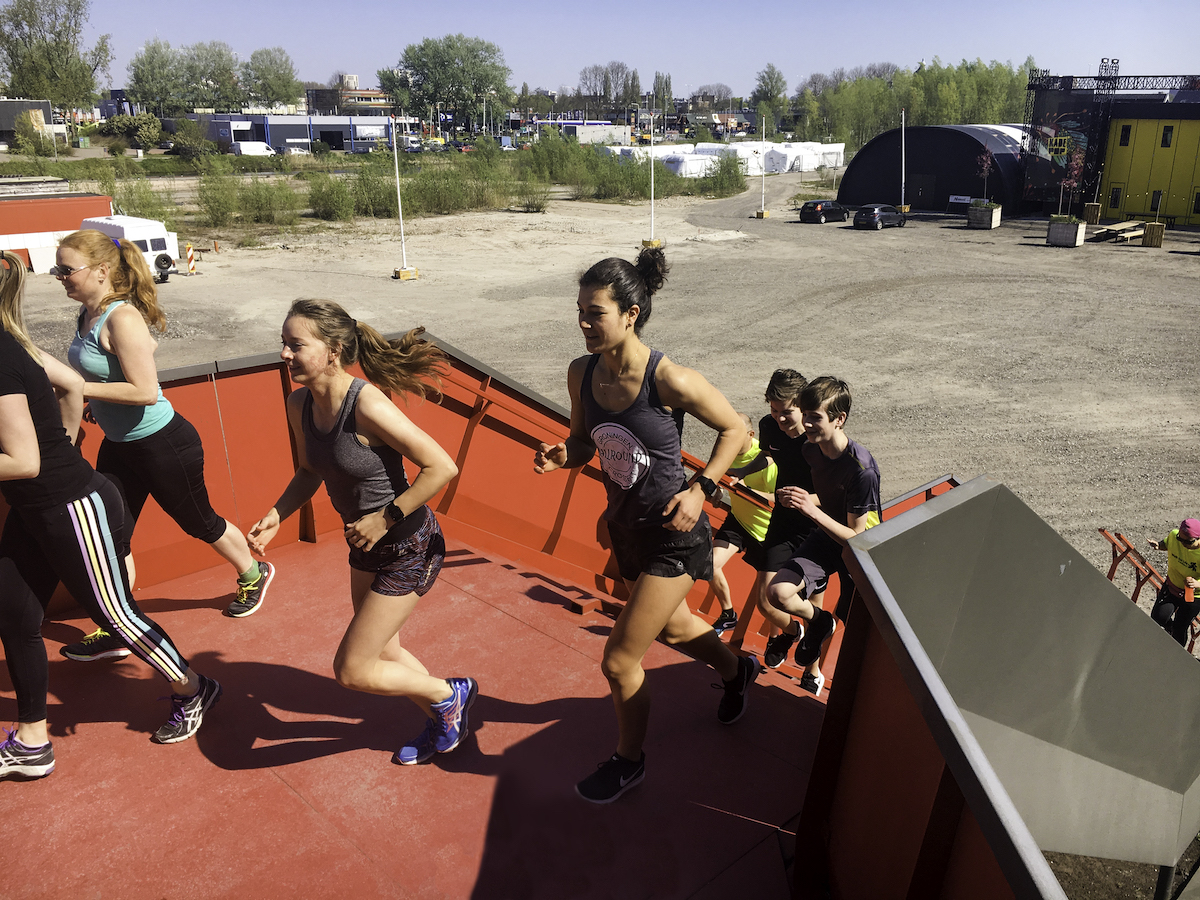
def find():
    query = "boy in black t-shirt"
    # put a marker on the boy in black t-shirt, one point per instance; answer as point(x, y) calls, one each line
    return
point(846, 479)
point(781, 441)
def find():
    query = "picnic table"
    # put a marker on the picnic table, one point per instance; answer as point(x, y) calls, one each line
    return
point(1110, 232)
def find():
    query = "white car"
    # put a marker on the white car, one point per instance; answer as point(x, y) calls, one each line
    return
point(159, 246)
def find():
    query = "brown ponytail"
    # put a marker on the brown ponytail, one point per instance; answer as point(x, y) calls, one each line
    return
point(400, 366)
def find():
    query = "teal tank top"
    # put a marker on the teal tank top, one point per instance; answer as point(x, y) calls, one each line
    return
point(120, 422)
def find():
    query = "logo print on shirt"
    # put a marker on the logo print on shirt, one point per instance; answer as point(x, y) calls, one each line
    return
point(623, 457)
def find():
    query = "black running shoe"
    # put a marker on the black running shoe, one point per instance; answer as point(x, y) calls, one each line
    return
point(612, 778)
point(814, 684)
point(726, 621)
point(26, 762)
point(97, 645)
point(187, 713)
point(735, 699)
point(778, 647)
point(251, 596)
point(820, 629)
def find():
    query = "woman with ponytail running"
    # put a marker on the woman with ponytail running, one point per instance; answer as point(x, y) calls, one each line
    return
point(66, 523)
point(627, 405)
point(149, 450)
point(350, 436)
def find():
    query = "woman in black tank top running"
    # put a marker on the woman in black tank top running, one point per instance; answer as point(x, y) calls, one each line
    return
point(350, 436)
point(627, 406)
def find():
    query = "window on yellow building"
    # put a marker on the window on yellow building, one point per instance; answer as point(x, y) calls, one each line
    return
point(1125, 135)
point(1168, 133)
point(1114, 198)
point(1155, 200)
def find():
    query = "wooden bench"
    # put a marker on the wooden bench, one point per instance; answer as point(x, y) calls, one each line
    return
point(1156, 217)
point(1129, 235)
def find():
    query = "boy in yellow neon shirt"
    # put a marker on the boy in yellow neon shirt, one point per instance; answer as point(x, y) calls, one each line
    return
point(744, 528)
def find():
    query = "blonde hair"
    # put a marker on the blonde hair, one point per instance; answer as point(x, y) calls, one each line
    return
point(398, 366)
point(12, 291)
point(132, 280)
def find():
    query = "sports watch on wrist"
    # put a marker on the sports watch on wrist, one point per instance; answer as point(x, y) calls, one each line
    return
point(711, 489)
point(392, 511)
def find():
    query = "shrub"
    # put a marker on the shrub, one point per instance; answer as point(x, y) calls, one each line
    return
point(320, 148)
point(268, 201)
point(117, 147)
point(330, 198)
point(533, 194)
point(136, 197)
point(30, 140)
point(218, 197)
point(374, 194)
point(724, 178)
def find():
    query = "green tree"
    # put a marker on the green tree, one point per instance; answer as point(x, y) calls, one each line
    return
point(456, 72)
point(770, 87)
point(42, 53)
point(397, 85)
point(210, 75)
point(270, 78)
point(156, 78)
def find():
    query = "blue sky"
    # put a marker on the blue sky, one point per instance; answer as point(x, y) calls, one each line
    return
point(696, 41)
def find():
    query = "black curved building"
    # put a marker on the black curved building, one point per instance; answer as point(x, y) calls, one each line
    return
point(941, 161)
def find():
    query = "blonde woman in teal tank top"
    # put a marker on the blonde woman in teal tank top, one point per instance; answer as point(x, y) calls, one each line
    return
point(149, 449)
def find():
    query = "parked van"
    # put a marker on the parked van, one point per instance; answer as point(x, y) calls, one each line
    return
point(251, 148)
point(159, 246)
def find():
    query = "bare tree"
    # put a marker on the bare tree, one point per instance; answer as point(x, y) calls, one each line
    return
point(722, 92)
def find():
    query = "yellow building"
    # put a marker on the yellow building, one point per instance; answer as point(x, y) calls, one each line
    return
point(1152, 162)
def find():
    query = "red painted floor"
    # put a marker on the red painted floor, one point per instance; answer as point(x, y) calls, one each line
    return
point(288, 790)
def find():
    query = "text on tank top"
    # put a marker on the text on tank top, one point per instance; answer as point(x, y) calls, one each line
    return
point(639, 449)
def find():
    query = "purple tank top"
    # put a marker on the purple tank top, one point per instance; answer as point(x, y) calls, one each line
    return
point(360, 479)
point(639, 450)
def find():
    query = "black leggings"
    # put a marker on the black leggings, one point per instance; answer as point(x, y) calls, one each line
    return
point(168, 466)
point(1173, 614)
point(80, 544)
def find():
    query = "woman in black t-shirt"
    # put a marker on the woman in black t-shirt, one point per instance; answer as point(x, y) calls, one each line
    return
point(66, 523)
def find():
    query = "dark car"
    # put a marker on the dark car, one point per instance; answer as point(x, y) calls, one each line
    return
point(876, 215)
point(821, 210)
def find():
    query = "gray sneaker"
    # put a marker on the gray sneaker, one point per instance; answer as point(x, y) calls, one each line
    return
point(25, 762)
point(187, 713)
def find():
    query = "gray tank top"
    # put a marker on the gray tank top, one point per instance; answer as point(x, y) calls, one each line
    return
point(360, 479)
point(639, 450)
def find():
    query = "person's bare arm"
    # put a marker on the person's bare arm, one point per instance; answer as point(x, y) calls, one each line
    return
point(577, 450)
point(68, 388)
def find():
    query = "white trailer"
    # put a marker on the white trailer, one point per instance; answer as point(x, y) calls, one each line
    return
point(159, 246)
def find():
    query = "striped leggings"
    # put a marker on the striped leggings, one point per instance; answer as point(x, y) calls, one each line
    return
point(81, 543)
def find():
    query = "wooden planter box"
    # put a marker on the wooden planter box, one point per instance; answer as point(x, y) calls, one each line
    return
point(1065, 234)
point(982, 217)
point(1091, 213)
point(1153, 235)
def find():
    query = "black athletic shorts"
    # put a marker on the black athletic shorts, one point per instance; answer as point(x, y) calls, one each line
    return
point(405, 561)
point(655, 550)
point(816, 559)
point(735, 534)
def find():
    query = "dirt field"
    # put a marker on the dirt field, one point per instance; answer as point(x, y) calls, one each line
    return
point(1066, 373)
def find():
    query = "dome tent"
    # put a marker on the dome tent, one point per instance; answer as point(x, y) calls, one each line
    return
point(941, 160)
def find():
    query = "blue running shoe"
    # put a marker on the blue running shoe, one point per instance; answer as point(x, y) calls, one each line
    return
point(451, 714)
point(420, 749)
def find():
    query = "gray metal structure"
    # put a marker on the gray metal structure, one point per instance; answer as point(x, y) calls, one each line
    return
point(1069, 719)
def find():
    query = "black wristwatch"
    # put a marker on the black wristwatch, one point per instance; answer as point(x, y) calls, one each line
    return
point(393, 512)
point(711, 489)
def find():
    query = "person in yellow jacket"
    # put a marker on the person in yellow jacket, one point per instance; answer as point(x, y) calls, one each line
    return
point(744, 529)
point(1175, 606)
